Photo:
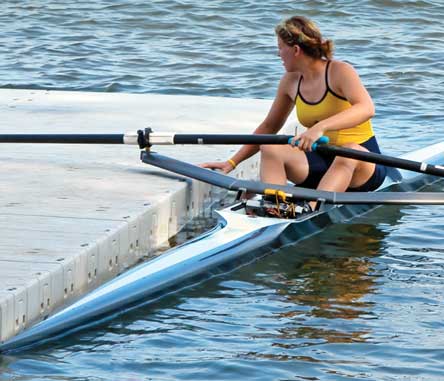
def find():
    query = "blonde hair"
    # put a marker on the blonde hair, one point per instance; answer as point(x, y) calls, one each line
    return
point(299, 30)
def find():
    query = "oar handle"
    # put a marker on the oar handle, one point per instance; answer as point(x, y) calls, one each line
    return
point(314, 146)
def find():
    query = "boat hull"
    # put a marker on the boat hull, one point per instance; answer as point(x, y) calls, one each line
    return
point(237, 239)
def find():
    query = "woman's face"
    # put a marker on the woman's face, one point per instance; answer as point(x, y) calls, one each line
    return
point(287, 54)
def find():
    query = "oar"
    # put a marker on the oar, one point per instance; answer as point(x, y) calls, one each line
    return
point(147, 138)
point(320, 146)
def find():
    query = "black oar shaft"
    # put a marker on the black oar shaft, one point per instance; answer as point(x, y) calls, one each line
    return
point(376, 158)
point(63, 138)
point(231, 139)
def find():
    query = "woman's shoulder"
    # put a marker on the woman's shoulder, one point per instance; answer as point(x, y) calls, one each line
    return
point(340, 72)
point(291, 76)
point(337, 67)
point(289, 83)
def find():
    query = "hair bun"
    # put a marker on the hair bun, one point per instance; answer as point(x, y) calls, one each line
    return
point(299, 30)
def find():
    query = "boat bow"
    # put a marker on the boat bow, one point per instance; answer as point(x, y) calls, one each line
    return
point(236, 240)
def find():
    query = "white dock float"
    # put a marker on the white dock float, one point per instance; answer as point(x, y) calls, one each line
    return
point(74, 216)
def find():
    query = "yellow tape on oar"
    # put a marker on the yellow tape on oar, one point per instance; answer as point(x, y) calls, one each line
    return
point(276, 192)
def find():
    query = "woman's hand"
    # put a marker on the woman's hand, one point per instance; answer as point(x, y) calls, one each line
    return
point(309, 137)
point(224, 166)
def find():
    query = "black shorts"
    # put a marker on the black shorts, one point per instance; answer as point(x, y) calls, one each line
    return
point(319, 164)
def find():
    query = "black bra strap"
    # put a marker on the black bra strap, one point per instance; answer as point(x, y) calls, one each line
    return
point(299, 86)
point(326, 75)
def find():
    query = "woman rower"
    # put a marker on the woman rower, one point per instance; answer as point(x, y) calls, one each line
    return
point(330, 100)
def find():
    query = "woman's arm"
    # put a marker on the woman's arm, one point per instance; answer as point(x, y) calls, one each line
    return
point(273, 122)
point(345, 81)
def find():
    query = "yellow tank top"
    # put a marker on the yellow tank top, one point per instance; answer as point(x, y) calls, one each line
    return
point(310, 113)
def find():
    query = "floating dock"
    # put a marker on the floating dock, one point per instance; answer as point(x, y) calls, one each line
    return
point(75, 216)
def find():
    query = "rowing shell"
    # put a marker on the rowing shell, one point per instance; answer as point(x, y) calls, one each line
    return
point(237, 239)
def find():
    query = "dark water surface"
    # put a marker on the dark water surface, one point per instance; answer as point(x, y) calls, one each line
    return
point(360, 301)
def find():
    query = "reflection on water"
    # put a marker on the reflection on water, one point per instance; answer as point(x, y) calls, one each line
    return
point(330, 285)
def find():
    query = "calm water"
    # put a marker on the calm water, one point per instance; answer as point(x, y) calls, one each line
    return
point(360, 301)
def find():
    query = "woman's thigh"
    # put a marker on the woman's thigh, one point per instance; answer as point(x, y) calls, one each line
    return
point(318, 165)
point(292, 159)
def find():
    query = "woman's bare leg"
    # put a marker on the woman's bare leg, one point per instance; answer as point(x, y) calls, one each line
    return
point(345, 173)
point(282, 163)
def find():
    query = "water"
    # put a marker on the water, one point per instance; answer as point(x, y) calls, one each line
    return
point(362, 300)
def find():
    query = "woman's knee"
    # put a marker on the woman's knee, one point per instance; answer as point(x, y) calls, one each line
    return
point(277, 152)
point(344, 162)
point(352, 164)
point(354, 146)
point(269, 150)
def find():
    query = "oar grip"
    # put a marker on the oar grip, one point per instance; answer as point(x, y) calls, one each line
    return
point(321, 140)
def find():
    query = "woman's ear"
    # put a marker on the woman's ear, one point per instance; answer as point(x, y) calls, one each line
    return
point(297, 50)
